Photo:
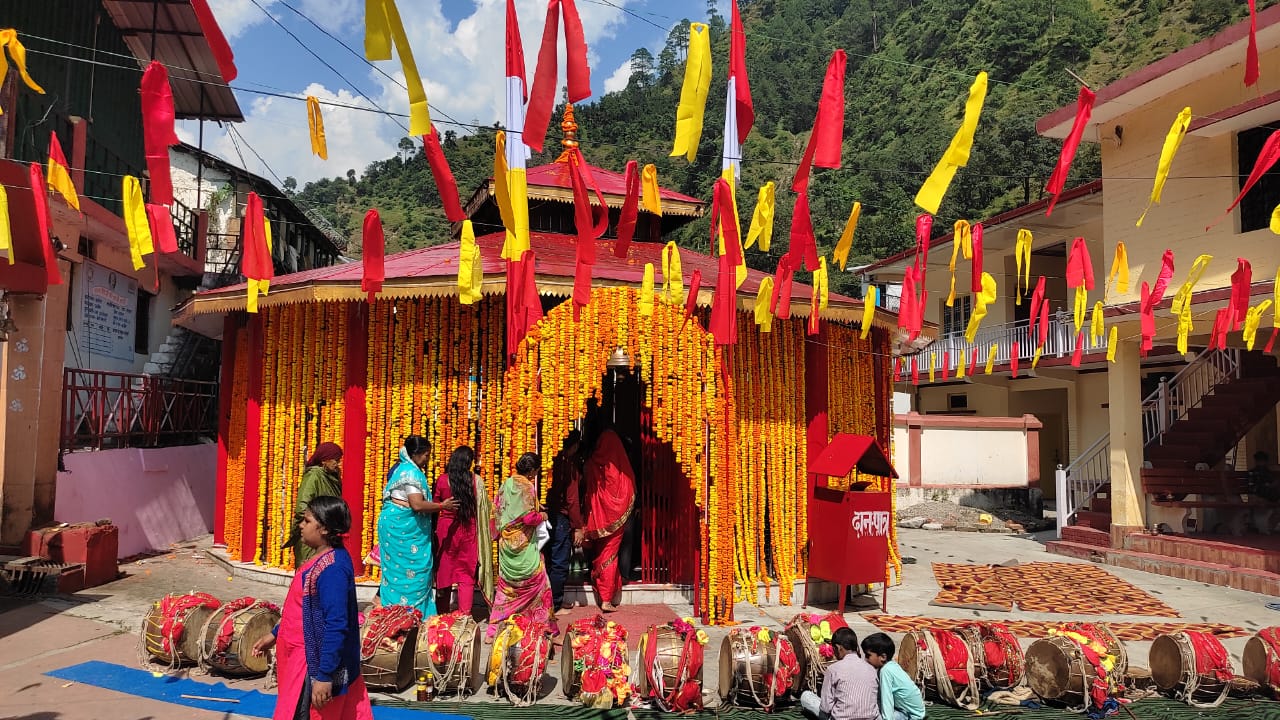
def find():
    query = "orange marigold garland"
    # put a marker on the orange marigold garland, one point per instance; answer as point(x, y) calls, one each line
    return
point(234, 518)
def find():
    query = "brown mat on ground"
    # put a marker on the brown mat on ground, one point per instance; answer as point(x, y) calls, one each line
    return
point(1048, 587)
point(1131, 631)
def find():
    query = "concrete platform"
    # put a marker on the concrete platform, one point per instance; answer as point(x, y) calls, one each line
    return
point(1246, 563)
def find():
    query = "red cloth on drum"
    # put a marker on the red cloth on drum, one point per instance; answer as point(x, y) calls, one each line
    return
point(1271, 638)
point(993, 653)
point(1211, 656)
point(955, 655)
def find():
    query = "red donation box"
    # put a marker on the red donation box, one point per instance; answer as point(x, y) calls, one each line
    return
point(849, 529)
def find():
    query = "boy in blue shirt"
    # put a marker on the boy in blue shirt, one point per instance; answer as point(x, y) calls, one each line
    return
point(900, 699)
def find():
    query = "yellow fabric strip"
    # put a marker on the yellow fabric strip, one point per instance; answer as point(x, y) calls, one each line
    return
point(1097, 328)
point(961, 245)
point(9, 39)
point(58, 179)
point(470, 267)
point(1251, 321)
point(841, 254)
point(693, 95)
point(1120, 269)
point(1112, 339)
point(1035, 359)
point(1081, 306)
point(1022, 258)
point(764, 318)
point(1183, 298)
point(135, 222)
point(382, 21)
point(762, 219)
point(868, 309)
point(991, 358)
point(933, 361)
point(650, 192)
point(1275, 220)
point(824, 286)
point(315, 125)
point(377, 36)
point(673, 276)
point(960, 368)
point(1275, 295)
point(6, 231)
point(980, 303)
point(1184, 327)
point(957, 154)
point(645, 304)
point(740, 271)
point(1171, 143)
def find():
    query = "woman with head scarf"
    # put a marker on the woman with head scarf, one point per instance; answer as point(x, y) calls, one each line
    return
point(319, 479)
point(463, 534)
point(404, 530)
point(522, 585)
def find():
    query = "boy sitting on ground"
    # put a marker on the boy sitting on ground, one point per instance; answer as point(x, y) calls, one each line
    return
point(900, 699)
point(849, 689)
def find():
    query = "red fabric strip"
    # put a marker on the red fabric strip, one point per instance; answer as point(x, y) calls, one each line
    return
point(157, 130)
point(514, 46)
point(39, 194)
point(1251, 52)
point(1037, 296)
point(630, 209)
point(1241, 280)
point(1084, 109)
point(738, 71)
point(162, 233)
point(976, 231)
point(542, 97)
point(974, 362)
point(217, 41)
point(924, 231)
point(255, 263)
point(946, 365)
point(724, 308)
point(1162, 281)
point(722, 219)
point(446, 186)
point(780, 303)
point(1147, 319)
point(915, 371)
point(907, 300)
point(1221, 324)
point(1044, 323)
point(1266, 158)
point(1079, 265)
point(691, 302)
point(803, 243)
point(824, 144)
point(373, 246)
point(1079, 351)
point(1013, 358)
point(1271, 342)
point(897, 369)
point(575, 41)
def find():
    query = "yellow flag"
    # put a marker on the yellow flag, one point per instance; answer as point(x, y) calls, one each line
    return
point(693, 96)
point(1098, 327)
point(933, 361)
point(6, 231)
point(9, 40)
point(957, 154)
point(961, 244)
point(1251, 321)
point(991, 358)
point(1082, 305)
point(960, 368)
point(1275, 220)
point(762, 219)
point(672, 277)
point(1035, 359)
point(1120, 269)
point(509, 190)
point(841, 255)
point(764, 318)
point(382, 29)
point(650, 192)
point(868, 309)
point(58, 177)
point(1184, 327)
point(135, 222)
point(1112, 338)
point(1171, 143)
point(645, 303)
point(1022, 259)
point(980, 303)
point(1183, 298)
point(315, 124)
point(470, 267)
point(1275, 295)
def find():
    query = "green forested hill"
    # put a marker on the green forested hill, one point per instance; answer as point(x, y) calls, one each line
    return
point(910, 66)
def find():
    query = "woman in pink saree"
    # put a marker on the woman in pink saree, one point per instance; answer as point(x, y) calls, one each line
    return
point(522, 585)
point(610, 488)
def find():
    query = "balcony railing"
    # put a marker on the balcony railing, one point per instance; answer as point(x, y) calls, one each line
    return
point(185, 224)
point(945, 352)
point(103, 410)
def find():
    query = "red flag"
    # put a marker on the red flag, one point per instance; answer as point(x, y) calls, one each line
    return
point(915, 371)
point(780, 303)
point(724, 307)
point(946, 365)
point(217, 41)
point(373, 254)
point(443, 174)
point(1013, 359)
point(924, 231)
point(157, 130)
point(1037, 296)
point(803, 243)
point(589, 222)
point(524, 306)
point(256, 262)
point(691, 302)
point(722, 219)
point(973, 364)
point(907, 301)
point(1266, 158)
point(542, 97)
point(515, 47)
point(823, 149)
point(1251, 52)
point(630, 209)
point(1084, 108)
point(897, 369)
point(1221, 324)
point(1079, 266)
point(1079, 352)
point(976, 231)
point(1147, 318)
point(1162, 282)
point(39, 194)
point(1271, 342)
point(746, 112)
point(1044, 323)
point(1241, 286)
point(162, 234)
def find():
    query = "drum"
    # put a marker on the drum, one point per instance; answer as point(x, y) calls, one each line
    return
point(593, 663)
point(1193, 667)
point(757, 666)
point(671, 666)
point(518, 661)
point(810, 635)
point(227, 639)
point(1080, 665)
point(171, 628)
point(940, 663)
point(1138, 679)
point(450, 648)
point(1262, 658)
point(388, 640)
point(997, 656)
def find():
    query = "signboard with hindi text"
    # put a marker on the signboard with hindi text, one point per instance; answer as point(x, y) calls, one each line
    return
point(110, 304)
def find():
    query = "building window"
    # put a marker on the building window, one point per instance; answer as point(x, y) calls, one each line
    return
point(1256, 207)
point(956, 318)
point(142, 324)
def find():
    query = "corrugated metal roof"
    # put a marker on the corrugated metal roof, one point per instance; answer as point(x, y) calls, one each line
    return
point(199, 90)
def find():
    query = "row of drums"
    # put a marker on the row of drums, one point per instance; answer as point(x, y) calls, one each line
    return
point(1083, 666)
point(199, 629)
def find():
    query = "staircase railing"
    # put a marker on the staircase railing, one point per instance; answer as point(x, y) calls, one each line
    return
point(1079, 482)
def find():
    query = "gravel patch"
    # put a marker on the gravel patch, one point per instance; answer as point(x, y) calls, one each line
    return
point(961, 517)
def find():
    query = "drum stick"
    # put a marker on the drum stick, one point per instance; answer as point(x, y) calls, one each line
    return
point(210, 699)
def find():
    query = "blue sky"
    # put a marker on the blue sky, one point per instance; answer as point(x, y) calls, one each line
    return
point(458, 45)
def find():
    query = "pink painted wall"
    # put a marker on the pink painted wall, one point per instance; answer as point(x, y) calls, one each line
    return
point(156, 496)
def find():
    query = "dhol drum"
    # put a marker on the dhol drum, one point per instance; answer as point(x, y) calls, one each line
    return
point(940, 663)
point(1080, 666)
point(518, 661)
point(1193, 667)
point(671, 666)
point(227, 639)
point(810, 635)
point(757, 667)
point(450, 648)
point(593, 664)
point(997, 656)
point(171, 628)
point(1262, 658)
point(388, 640)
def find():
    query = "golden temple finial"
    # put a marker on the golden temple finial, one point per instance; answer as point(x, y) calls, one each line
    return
point(569, 127)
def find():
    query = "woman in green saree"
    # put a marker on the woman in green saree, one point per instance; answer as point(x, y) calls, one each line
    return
point(522, 585)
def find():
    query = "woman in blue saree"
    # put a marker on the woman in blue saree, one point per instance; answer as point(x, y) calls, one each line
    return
point(405, 533)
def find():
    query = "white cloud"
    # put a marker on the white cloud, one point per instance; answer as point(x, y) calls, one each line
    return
point(620, 77)
point(237, 16)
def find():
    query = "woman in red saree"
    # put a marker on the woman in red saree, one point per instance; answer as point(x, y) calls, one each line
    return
point(610, 493)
